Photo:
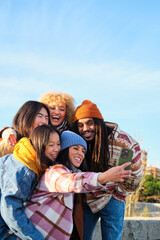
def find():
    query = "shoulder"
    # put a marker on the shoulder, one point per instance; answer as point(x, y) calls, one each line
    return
point(121, 138)
point(126, 138)
point(16, 177)
point(59, 167)
point(55, 171)
point(12, 166)
point(5, 148)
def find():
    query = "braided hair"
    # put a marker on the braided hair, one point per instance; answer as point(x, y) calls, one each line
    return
point(97, 156)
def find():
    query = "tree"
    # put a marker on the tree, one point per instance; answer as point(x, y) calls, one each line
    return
point(151, 186)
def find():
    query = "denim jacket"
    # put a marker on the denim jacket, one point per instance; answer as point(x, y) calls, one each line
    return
point(17, 182)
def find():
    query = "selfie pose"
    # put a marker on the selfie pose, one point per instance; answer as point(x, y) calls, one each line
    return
point(51, 205)
point(104, 142)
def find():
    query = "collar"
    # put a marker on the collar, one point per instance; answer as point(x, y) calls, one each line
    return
point(25, 153)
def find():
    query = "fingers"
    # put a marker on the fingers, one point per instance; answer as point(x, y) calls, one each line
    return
point(124, 176)
point(125, 173)
point(125, 165)
point(12, 139)
point(116, 174)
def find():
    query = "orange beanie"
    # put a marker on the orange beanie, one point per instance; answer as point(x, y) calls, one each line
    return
point(87, 110)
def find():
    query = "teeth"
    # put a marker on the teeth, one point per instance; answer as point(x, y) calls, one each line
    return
point(87, 134)
point(78, 159)
point(55, 117)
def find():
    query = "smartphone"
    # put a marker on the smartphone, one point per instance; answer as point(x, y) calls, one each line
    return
point(125, 156)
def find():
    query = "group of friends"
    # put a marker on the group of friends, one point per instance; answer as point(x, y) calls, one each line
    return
point(59, 173)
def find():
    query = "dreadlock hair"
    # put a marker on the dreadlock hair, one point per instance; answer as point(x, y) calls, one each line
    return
point(97, 156)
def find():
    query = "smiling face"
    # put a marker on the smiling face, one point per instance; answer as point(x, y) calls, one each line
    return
point(86, 128)
point(41, 118)
point(53, 147)
point(57, 113)
point(76, 155)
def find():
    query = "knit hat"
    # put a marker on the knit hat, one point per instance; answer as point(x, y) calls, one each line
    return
point(69, 139)
point(87, 110)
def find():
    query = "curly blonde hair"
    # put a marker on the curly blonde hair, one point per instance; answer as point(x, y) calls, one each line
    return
point(60, 97)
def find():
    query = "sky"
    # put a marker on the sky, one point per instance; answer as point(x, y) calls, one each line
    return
point(102, 50)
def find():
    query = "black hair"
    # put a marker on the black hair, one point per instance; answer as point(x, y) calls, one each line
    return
point(39, 139)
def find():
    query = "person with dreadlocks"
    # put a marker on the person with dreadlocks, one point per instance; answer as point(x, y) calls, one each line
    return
point(104, 141)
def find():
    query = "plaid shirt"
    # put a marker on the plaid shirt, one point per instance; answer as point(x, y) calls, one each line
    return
point(51, 204)
point(120, 191)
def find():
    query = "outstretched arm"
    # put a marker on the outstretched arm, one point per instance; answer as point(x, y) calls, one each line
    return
point(60, 179)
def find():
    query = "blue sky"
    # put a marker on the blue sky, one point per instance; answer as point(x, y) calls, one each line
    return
point(101, 50)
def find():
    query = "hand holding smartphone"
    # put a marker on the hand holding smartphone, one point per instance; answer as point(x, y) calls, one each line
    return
point(125, 156)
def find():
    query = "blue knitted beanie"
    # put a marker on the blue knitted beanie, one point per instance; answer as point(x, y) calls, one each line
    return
point(69, 139)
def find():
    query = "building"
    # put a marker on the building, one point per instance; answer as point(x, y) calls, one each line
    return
point(155, 172)
point(148, 169)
